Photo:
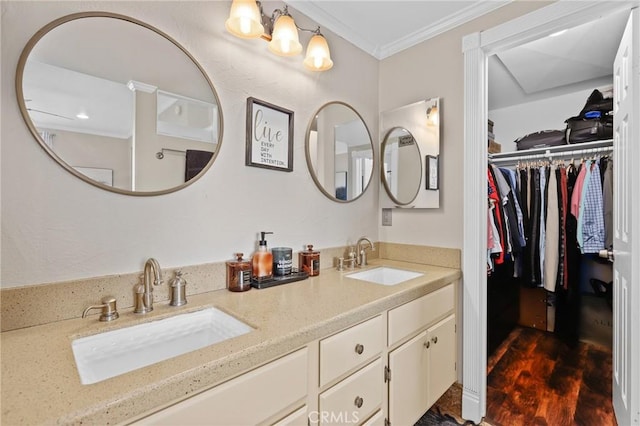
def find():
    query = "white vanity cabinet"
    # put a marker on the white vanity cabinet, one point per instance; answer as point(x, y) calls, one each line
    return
point(249, 399)
point(423, 367)
point(389, 368)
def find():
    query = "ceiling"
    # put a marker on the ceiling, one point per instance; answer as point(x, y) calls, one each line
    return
point(579, 59)
point(384, 27)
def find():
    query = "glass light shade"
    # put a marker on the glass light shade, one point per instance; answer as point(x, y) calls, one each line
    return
point(244, 19)
point(318, 57)
point(284, 39)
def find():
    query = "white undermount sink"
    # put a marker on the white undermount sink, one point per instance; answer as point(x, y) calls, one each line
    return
point(385, 275)
point(109, 354)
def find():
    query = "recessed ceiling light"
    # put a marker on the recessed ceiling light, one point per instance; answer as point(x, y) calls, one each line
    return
point(556, 34)
point(82, 116)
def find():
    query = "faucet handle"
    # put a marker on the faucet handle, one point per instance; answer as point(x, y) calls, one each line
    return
point(109, 310)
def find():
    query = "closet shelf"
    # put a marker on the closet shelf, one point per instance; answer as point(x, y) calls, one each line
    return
point(554, 151)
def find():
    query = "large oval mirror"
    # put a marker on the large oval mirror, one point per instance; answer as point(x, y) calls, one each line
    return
point(401, 166)
point(339, 152)
point(119, 104)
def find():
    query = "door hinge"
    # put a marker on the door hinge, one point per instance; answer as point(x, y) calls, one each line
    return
point(387, 374)
point(455, 328)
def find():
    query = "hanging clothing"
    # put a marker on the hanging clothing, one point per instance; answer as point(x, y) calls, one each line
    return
point(593, 219)
point(607, 203)
point(552, 234)
point(543, 217)
point(561, 176)
point(534, 230)
point(494, 195)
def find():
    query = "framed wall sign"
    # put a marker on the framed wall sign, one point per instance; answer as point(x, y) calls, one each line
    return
point(431, 166)
point(269, 136)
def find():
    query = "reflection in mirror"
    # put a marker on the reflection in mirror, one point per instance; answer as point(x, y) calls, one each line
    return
point(403, 171)
point(119, 104)
point(401, 166)
point(339, 152)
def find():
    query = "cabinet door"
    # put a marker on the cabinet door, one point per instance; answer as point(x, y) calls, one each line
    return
point(442, 358)
point(247, 399)
point(408, 385)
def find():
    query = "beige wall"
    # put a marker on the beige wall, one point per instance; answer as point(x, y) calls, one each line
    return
point(85, 150)
point(435, 68)
point(56, 227)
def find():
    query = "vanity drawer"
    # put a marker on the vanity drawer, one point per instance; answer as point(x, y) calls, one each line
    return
point(417, 314)
point(349, 348)
point(248, 399)
point(355, 398)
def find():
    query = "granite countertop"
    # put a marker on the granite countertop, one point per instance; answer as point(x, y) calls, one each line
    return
point(40, 383)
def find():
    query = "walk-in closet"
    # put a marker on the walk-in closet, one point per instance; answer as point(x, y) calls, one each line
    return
point(550, 230)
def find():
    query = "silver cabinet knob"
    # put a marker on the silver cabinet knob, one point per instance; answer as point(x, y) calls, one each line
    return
point(359, 349)
point(358, 402)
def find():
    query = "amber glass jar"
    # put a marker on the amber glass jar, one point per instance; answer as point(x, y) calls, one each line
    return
point(238, 274)
point(309, 261)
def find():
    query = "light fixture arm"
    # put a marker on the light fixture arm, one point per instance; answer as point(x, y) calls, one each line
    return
point(316, 31)
point(268, 22)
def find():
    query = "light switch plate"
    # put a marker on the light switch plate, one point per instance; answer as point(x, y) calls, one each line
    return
point(386, 217)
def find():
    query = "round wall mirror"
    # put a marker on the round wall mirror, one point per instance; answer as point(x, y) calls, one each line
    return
point(339, 152)
point(401, 166)
point(119, 104)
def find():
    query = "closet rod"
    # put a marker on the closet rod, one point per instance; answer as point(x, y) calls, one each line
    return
point(548, 155)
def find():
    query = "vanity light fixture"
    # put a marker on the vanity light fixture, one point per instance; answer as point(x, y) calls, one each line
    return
point(247, 20)
point(82, 116)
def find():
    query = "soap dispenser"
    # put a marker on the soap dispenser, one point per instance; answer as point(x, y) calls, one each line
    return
point(262, 261)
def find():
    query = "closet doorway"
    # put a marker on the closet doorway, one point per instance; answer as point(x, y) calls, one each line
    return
point(477, 47)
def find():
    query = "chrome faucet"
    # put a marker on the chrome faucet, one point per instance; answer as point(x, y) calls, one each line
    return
point(360, 251)
point(144, 291)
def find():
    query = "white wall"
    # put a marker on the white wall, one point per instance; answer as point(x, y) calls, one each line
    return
point(435, 68)
point(515, 121)
point(56, 227)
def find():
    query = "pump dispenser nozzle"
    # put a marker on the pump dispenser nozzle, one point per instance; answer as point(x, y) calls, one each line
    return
point(263, 242)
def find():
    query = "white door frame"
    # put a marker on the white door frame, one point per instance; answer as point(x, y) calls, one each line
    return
point(477, 47)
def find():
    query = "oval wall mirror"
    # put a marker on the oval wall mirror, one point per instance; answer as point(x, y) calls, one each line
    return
point(339, 152)
point(410, 156)
point(401, 166)
point(119, 104)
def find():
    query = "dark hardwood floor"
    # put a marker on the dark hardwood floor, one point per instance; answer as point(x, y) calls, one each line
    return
point(536, 379)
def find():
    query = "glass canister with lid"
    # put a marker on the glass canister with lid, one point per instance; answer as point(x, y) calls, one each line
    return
point(309, 261)
point(239, 274)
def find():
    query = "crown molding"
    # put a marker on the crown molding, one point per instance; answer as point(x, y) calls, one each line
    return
point(462, 17)
point(334, 24)
point(137, 86)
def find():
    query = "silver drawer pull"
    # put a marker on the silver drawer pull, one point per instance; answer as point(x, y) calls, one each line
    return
point(427, 344)
point(435, 339)
point(358, 402)
point(359, 349)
